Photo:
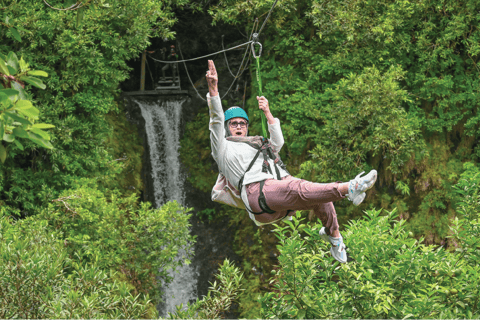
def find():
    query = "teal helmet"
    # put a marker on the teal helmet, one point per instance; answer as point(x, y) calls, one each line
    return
point(234, 112)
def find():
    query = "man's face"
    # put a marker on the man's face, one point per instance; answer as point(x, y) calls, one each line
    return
point(238, 127)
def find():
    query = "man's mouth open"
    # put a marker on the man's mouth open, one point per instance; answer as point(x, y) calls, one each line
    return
point(239, 133)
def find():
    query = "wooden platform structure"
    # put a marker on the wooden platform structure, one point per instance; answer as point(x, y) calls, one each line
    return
point(155, 92)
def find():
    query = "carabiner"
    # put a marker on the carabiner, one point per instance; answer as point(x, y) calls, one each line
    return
point(255, 41)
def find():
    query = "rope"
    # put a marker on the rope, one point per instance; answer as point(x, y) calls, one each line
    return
point(226, 61)
point(191, 82)
point(268, 16)
point(74, 6)
point(240, 71)
point(208, 55)
point(255, 25)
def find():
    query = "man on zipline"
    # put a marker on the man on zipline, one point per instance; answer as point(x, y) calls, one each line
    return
point(270, 197)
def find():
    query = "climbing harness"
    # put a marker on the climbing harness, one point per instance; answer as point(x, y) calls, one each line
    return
point(263, 146)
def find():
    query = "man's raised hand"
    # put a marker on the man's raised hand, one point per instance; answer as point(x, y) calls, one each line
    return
point(212, 79)
point(263, 104)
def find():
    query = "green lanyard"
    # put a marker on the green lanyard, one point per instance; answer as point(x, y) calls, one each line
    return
point(259, 80)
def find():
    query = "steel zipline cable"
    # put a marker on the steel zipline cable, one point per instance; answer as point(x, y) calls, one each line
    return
point(240, 70)
point(208, 55)
point(268, 16)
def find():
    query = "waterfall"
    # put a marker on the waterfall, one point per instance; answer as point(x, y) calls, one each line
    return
point(162, 125)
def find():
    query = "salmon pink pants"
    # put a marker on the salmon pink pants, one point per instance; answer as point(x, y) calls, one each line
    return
point(292, 193)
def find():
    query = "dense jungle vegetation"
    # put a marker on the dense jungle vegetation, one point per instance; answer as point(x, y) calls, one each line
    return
point(390, 85)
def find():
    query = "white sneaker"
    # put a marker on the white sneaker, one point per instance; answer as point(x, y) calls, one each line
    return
point(358, 186)
point(338, 247)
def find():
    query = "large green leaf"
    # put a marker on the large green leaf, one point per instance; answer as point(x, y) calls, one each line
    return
point(2, 129)
point(17, 118)
point(12, 61)
point(3, 96)
point(18, 144)
point(33, 81)
point(30, 112)
point(11, 69)
point(41, 133)
point(3, 67)
point(10, 92)
point(15, 34)
point(3, 153)
point(43, 126)
point(38, 73)
point(8, 137)
point(21, 91)
point(40, 141)
point(20, 132)
point(23, 65)
point(23, 104)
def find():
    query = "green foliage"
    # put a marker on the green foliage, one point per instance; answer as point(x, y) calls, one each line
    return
point(219, 297)
point(127, 148)
point(17, 113)
point(364, 120)
point(126, 235)
point(207, 214)
point(85, 64)
point(195, 153)
point(393, 276)
point(40, 279)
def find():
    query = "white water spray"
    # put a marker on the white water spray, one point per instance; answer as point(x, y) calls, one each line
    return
point(162, 125)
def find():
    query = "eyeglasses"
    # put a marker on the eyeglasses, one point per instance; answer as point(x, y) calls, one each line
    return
point(235, 124)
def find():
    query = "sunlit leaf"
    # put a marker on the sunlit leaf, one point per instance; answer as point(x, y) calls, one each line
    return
point(8, 137)
point(33, 81)
point(38, 73)
point(43, 126)
point(3, 67)
point(30, 112)
point(20, 132)
point(23, 104)
point(23, 65)
point(17, 118)
point(39, 140)
point(41, 133)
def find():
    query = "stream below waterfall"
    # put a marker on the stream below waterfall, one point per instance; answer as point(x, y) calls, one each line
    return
point(163, 121)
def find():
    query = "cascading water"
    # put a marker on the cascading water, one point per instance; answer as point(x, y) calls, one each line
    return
point(162, 125)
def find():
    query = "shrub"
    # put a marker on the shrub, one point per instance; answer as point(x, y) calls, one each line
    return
point(40, 280)
point(393, 276)
point(120, 233)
